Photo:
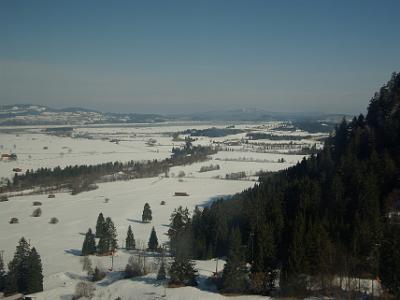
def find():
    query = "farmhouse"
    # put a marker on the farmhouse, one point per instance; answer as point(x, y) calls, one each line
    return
point(181, 194)
point(6, 156)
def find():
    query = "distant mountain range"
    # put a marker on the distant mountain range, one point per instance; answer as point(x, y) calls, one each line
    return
point(29, 114)
point(252, 114)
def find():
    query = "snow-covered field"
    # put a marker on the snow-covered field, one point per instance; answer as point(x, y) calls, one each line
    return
point(59, 245)
point(93, 145)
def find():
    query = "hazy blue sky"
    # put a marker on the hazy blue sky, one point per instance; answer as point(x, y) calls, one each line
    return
point(165, 56)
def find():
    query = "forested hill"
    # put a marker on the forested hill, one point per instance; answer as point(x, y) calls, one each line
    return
point(333, 214)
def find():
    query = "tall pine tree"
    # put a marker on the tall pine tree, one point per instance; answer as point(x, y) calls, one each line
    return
point(235, 274)
point(2, 274)
point(34, 276)
point(19, 268)
point(25, 270)
point(89, 244)
point(146, 216)
point(130, 243)
point(100, 225)
point(153, 240)
point(108, 241)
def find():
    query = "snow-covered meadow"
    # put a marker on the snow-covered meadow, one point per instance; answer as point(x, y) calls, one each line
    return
point(59, 244)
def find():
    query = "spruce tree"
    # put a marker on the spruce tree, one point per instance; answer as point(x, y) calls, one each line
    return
point(179, 225)
point(19, 268)
point(11, 283)
point(25, 270)
point(183, 272)
point(34, 276)
point(235, 274)
point(89, 244)
point(2, 274)
point(146, 216)
point(111, 233)
point(108, 240)
point(390, 259)
point(130, 243)
point(100, 225)
point(162, 275)
point(153, 240)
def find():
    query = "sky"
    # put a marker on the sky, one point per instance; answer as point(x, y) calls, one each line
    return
point(171, 56)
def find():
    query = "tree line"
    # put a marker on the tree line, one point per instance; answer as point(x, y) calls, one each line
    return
point(325, 218)
point(82, 177)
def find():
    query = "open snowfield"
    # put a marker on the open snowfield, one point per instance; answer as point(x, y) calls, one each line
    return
point(64, 151)
point(35, 149)
point(60, 244)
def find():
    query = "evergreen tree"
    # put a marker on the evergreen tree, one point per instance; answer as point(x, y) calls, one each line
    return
point(111, 233)
point(11, 283)
point(25, 270)
point(34, 276)
point(100, 225)
point(235, 274)
point(108, 240)
point(146, 216)
point(183, 272)
point(2, 274)
point(180, 223)
point(89, 244)
point(17, 277)
point(102, 247)
point(130, 243)
point(297, 262)
point(390, 259)
point(153, 240)
point(162, 275)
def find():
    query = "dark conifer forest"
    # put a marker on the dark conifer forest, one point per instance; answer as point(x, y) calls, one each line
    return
point(334, 214)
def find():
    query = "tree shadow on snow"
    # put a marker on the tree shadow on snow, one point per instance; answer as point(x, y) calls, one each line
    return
point(76, 276)
point(111, 278)
point(210, 200)
point(205, 284)
point(147, 280)
point(75, 252)
point(136, 221)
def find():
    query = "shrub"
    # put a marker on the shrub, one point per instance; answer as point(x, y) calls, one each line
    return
point(53, 220)
point(133, 269)
point(138, 266)
point(37, 203)
point(162, 202)
point(181, 174)
point(37, 212)
point(98, 274)
point(3, 198)
point(14, 221)
point(84, 289)
point(235, 176)
point(209, 168)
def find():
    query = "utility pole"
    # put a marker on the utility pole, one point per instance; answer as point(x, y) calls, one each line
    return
point(112, 261)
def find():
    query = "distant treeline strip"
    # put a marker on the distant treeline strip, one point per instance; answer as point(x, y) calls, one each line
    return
point(80, 178)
